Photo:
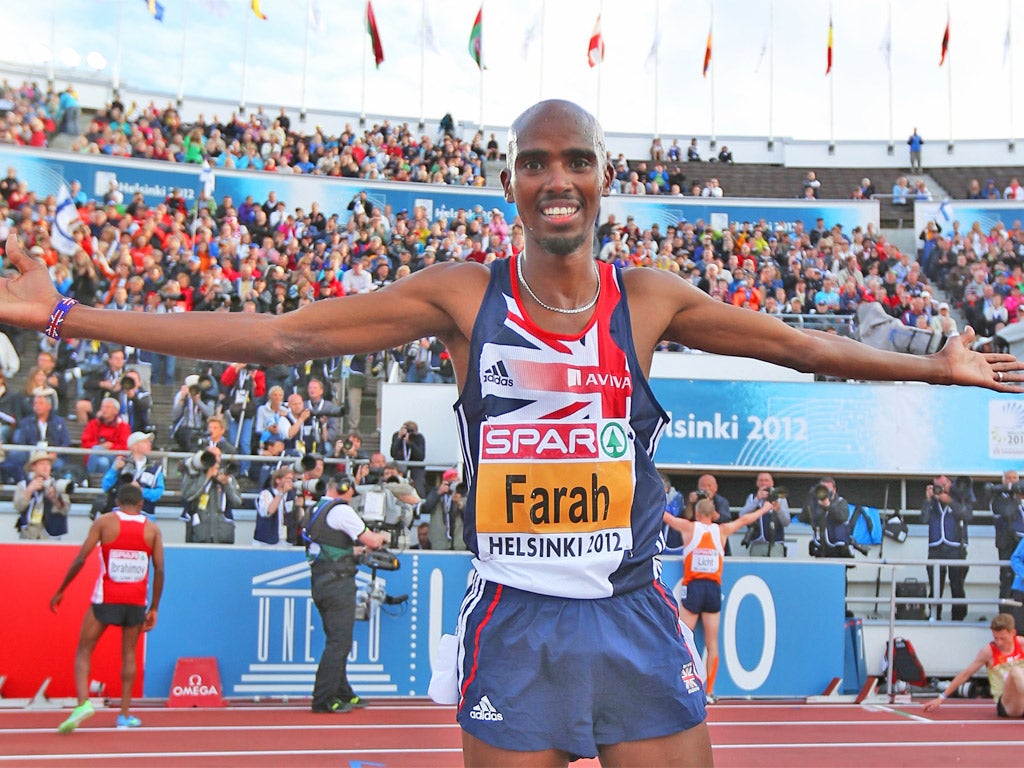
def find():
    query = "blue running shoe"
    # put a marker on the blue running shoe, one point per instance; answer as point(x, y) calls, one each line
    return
point(128, 721)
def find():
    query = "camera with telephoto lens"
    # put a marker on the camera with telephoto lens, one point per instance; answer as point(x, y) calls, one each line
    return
point(1014, 489)
point(822, 491)
point(60, 485)
point(313, 487)
point(776, 493)
point(127, 383)
point(203, 384)
point(201, 461)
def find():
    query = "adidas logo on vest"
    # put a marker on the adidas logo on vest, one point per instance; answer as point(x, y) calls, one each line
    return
point(484, 710)
point(498, 374)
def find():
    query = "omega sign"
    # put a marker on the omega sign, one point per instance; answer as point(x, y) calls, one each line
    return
point(196, 687)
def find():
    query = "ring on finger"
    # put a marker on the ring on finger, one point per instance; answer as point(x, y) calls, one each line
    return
point(999, 375)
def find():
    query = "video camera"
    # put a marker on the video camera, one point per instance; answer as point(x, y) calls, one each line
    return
point(386, 508)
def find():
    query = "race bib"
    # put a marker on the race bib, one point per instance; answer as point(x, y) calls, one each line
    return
point(704, 561)
point(126, 566)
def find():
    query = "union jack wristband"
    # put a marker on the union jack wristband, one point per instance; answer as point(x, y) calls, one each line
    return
point(57, 318)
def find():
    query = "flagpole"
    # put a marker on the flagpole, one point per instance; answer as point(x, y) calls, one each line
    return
point(831, 92)
point(540, 73)
point(184, 40)
point(711, 34)
point(892, 102)
point(480, 124)
point(949, 86)
point(600, 13)
point(117, 52)
point(53, 44)
point(245, 62)
point(1009, 61)
point(771, 75)
point(305, 59)
point(657, 22)
point(362, 98)
point(423, 62)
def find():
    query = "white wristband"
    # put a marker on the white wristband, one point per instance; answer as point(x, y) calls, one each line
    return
point(942, 697)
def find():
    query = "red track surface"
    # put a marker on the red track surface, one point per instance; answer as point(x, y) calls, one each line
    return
point(401, 734)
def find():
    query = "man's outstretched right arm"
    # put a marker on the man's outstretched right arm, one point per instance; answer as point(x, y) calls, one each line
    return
point(424, 304)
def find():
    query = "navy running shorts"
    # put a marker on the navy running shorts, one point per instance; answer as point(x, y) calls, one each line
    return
point(539, 672)
point(119, 614)
point(1001, 710)
point(702, 596)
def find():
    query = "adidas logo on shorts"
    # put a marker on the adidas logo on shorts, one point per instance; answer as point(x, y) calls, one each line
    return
point(484, 710)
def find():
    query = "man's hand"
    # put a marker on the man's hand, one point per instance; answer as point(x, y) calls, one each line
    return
point(932, 705)
point(119, 462)
point(55, 600)
point(1001, 372)
point(150, 621)
point(27, 298)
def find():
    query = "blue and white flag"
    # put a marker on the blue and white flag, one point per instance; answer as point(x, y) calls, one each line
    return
point(64, 223)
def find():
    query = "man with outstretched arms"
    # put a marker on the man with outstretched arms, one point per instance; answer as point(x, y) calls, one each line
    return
point(558, 426)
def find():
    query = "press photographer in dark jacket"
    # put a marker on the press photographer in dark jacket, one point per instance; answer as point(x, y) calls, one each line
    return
point(946, 512)
point(1007, 507)
point(828, 513)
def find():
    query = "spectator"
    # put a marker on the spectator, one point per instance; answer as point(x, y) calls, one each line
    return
point(1013, 191)
point(947, 512)
point(974, 191)
point(43, 426)
point(811, 183)
point(211, 494)
point(915, 142)
point(245, 387)
point(272, 417)
point(633, 185)
point(136, 468)
point(135, 402)
point(276, 522)
point(766, 536)
point(325, 418)
point(409, 445)
point(1007, 506)
point(41, 504)
point(107, 431)
point(921, 191)
point(444, 505)
point(657, 151)
point(901, 191)
point(828, 513)
point(692, 152)
point(991, 191)
point(189, 414)
point(725, 155)
point(712, 189)
point(422, 537)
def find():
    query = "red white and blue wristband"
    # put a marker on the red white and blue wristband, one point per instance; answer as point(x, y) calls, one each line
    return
point(57, 318)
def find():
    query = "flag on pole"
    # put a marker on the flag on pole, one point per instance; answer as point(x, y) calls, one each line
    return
point(595, 52)
point(64, 223)
point(1006, 44)
point(371, 28)
point(257, 11)
point(828, 65)
point(707, 53)
point(652, 55)
point(315, 18)
point(476, 38)
point(536, 24)
point(945, 43)
point(156, 10)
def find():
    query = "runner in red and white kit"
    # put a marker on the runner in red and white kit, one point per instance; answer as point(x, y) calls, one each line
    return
point(130, 547)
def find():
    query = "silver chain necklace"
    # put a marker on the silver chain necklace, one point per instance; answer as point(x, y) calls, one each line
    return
point(560, 310)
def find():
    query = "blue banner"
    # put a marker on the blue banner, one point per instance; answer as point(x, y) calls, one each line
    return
point(252, 610)
point(904, 429)
point(44, 171)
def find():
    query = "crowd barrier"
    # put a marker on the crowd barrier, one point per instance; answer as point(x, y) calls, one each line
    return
point(782, 623)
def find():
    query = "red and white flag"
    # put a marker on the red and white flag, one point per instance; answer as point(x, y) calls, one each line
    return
point(595, 53)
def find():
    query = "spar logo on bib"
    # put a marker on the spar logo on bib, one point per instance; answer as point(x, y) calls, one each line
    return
point(613, 440)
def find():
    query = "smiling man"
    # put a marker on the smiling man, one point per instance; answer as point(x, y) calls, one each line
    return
point(568, 642)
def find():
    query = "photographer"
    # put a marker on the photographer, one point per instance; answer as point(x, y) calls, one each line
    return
point(766, 536)
point(350, 449)
point(135, 468)
point(707, 488)
point(41, 502)
point(409, 445)
point(210, 495)
point(828, 514)
point(946, 513)
point(333, 530)
point(276, 521)
point(189, 414)
point(245, 386)
point(444, 505)
point(135, 402)
point(1007, 505)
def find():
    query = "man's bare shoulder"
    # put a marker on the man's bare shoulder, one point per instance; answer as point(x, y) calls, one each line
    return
point(657, 282)
point(444, 277)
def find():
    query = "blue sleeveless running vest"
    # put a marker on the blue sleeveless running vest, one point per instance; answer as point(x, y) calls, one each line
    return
point(558, 435)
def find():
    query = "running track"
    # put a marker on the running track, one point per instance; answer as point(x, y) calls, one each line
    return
point(401, 733)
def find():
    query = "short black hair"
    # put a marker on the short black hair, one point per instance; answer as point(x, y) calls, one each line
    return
point(129, 495)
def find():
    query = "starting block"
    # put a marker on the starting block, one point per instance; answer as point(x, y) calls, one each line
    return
point(196, 683)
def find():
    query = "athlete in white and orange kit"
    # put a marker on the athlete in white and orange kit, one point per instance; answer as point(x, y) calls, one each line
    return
point(131, 548)
point(572, 541)
point(703, 558)
point(1004, 659)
